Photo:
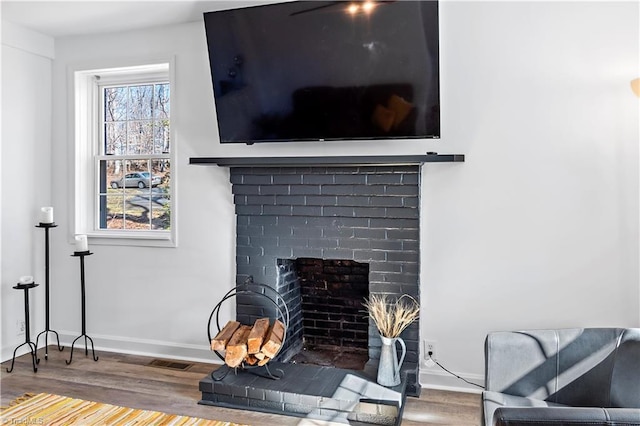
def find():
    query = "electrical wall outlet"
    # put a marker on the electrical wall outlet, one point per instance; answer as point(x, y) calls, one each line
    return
point(429, 347)
point(20, 327)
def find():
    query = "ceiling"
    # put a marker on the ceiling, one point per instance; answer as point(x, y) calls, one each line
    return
point(84, 17)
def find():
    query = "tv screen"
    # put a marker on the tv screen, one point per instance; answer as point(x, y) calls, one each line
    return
point(320, 71)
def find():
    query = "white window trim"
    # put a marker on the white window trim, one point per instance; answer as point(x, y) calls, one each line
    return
point(86, 134)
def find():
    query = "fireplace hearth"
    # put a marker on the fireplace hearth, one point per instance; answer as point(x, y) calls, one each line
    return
point(319, 393)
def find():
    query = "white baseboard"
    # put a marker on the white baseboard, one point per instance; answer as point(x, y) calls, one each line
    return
point(151, 348)
point(441, 380)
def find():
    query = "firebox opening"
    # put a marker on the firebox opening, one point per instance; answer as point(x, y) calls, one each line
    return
point(334, 325)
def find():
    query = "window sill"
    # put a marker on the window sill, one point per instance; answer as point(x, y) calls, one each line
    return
point(138, 239)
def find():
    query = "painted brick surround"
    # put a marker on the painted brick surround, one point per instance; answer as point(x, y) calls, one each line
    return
point(368, 214)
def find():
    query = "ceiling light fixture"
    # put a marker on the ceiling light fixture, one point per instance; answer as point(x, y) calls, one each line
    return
point(365, 7)
point(368, 6)
point(353, 8)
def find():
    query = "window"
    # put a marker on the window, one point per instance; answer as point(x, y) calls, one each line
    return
point(124, 182)
point(135, 138)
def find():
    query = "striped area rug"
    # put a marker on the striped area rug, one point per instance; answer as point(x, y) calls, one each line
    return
point(47, 409)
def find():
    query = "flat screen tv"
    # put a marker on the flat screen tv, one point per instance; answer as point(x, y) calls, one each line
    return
point(325, 70)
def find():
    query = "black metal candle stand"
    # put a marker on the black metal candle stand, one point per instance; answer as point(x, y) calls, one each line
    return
point(47, 329)
point(27, 340)
point(81, 255)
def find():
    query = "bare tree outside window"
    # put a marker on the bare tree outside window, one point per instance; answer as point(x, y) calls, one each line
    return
point(135, 181)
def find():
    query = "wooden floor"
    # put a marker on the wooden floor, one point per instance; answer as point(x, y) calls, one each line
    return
point(128, 380)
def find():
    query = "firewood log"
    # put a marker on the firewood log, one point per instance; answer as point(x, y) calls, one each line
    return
point(219, 342)
point(236, 349)
point(257, 335)
point(274, 339)
point(263, 361)
point(251, 360)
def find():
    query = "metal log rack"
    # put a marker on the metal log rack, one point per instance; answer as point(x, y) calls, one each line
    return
point(250, 288)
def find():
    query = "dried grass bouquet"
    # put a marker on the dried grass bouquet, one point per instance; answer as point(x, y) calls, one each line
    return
point(392, 317)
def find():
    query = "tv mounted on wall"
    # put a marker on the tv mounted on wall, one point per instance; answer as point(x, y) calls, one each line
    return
point(320, 71)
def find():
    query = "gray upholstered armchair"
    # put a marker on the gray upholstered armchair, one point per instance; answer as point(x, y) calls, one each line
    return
point(585, 376)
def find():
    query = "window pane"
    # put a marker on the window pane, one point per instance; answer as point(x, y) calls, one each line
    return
point(111, 173)
point(137, 211)
point(140, 102)
point(161, 209)
point(161, 137)
point(114, 213)
point(161, 101)
point(115, 138)
point(140, 138)
point(115, 104)
point(162, 170)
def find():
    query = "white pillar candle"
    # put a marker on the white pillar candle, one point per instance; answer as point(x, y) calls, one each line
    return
point(26, 279)
point(81, 243)
point(46, 215)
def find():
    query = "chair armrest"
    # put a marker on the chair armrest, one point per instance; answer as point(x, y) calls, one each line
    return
point(522, 363)
point(566, 416)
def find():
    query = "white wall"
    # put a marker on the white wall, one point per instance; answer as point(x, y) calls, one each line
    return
point(538, 228)
point(148, 300)
point(25, 183)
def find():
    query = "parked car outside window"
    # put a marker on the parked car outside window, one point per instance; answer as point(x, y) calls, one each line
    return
point(136, 179)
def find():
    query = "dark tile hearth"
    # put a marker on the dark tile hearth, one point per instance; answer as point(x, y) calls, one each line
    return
point(315, 392)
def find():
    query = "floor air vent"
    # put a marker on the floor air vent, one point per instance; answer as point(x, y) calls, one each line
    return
point(173, 365)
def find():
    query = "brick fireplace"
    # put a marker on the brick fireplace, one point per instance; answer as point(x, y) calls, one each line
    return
point(362, 215)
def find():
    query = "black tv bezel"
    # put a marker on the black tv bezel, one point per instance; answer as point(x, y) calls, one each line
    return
point(330, 139)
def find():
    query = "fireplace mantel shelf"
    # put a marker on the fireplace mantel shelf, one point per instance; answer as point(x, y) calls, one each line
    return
point(371, 160)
